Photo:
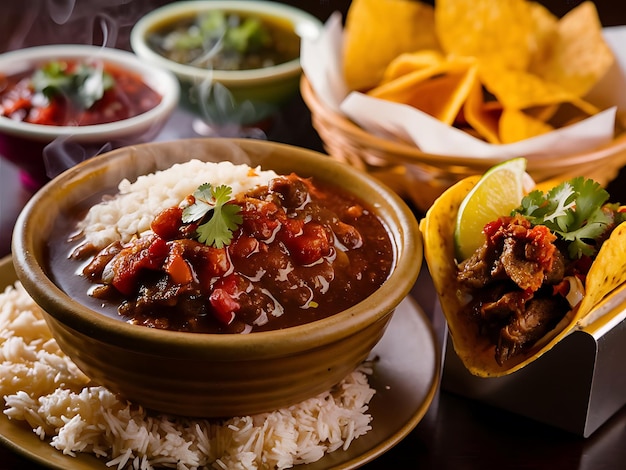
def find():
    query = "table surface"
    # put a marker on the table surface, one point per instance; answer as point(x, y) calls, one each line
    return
point(456, 432)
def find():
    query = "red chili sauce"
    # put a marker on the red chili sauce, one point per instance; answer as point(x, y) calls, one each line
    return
point(128, 97)
point(303, 252)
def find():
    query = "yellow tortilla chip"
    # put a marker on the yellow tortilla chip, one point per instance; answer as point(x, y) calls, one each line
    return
point(516, 125)
point(378, 31)
point(543, 113)
point(607, 273)
point(483, 117)
point(401, 83)
point(567, 114)
point(520, 90)
point(579, 56)
point(544, 27)
point(497, 32)
point(410, 62)
point(439, 91)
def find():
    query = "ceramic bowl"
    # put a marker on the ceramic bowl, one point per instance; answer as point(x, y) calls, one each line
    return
point(24, 143)
point(213, 374)
point(229, 97)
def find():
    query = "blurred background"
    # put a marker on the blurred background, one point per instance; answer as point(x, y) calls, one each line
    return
point(33, 22)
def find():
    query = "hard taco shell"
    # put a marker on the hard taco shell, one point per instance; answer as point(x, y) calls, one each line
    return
point(477, 353)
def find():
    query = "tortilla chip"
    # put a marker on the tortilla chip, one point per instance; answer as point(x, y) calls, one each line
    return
point(520, 90)
point(378, 31)
point(545, 31)
point(411, 62)
point(543, 113)
point(516, 125)
point(399, 78)
point(579, 56)
point(475, 351)
point(482, 116)
point(496, 32)
point(439, 90)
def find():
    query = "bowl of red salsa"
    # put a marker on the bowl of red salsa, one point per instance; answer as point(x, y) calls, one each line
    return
point(237, 61)
point(217, 277)
point(61, 104)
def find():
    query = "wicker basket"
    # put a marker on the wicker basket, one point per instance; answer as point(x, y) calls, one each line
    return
point(421, 177)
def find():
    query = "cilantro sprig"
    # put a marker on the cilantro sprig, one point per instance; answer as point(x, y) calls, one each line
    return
point(83, 85)
point(219, 219)
point(573, 211)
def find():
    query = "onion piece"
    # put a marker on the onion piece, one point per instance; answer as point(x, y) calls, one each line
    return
point(576, 290)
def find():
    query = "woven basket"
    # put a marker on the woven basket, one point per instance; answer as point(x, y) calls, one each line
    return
point(421, 177)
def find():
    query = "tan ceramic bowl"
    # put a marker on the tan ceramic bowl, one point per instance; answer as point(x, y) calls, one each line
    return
point(207, 374)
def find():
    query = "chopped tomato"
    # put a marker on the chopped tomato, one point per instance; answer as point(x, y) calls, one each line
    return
point(177, 267)
point(137, 258)
point(224, 299)
point(167, 223)
point(244, 246)
point(311, 246)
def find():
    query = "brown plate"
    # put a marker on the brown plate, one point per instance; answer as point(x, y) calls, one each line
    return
point(406, 376)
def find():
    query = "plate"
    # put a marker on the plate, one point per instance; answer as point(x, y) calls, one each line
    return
point(406, 377)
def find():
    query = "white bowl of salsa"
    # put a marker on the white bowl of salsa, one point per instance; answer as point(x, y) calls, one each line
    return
point(238, 61)
point(61, 104)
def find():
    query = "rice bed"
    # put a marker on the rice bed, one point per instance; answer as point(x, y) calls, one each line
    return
point(42, 387)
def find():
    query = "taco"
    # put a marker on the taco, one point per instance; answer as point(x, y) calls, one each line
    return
point(541, 268)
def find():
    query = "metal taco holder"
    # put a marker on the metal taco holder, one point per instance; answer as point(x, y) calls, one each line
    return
point(576, 386)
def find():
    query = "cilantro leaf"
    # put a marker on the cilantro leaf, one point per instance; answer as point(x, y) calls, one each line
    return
point(573, 211)
point(563, 202)
point(581, 237)
point(218, 231)
point(203, 204)
point(83, 86)
point(222, 218)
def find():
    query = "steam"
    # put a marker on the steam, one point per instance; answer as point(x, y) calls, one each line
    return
point(221, 114)
point(61, 10)
point(63, 153)
point(71, 22)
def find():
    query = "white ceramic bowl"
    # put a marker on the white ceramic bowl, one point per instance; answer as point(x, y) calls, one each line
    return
point(263, 89)
point(23, 142)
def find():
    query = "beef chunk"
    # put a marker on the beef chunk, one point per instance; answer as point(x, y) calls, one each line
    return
point(527, 326)
point(475, 272)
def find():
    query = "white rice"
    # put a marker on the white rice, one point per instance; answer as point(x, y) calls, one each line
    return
point(41, 386)
point(130, 213)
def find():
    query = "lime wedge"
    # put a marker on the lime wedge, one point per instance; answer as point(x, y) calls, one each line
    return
point(497, 193)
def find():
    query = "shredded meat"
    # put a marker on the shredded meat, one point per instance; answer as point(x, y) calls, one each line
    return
point(526, 326)
point(509, 280)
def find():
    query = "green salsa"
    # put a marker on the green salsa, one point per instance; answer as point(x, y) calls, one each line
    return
point(224, 40)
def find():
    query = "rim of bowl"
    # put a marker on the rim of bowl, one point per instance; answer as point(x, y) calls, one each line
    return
point(160, 80)
point(408, 261)
point(305, 25)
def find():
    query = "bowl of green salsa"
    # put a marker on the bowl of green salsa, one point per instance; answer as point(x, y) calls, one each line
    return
point(237, 61)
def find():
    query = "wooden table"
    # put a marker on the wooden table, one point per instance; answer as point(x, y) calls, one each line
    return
point(456, 433)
